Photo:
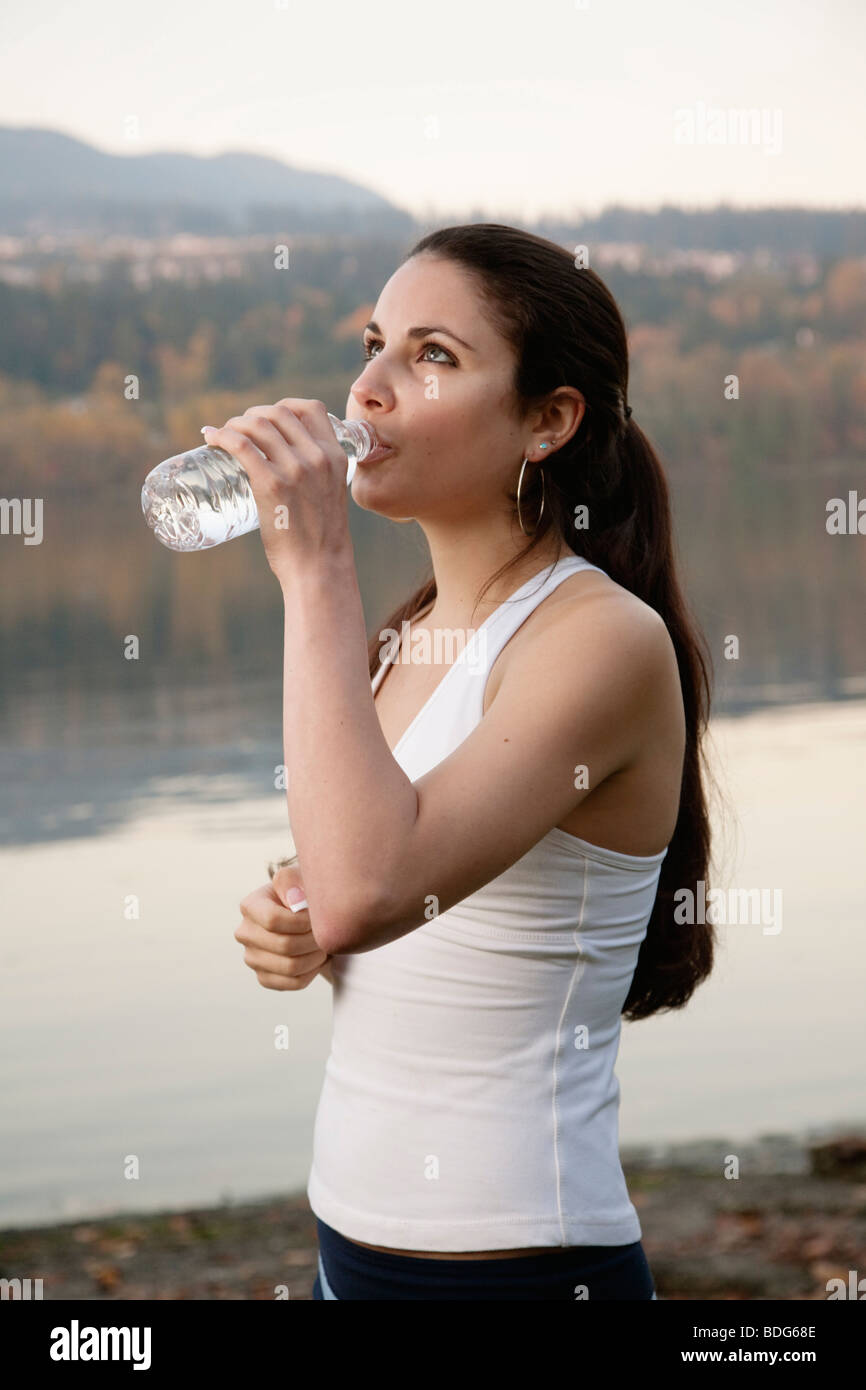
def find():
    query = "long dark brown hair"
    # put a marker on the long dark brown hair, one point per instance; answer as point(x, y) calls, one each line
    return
point(566, 330)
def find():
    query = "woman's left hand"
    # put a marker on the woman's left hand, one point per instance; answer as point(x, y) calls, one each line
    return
point(297, 472)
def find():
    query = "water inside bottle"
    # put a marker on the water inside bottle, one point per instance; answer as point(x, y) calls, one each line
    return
point(203, 497)
point(199, 499)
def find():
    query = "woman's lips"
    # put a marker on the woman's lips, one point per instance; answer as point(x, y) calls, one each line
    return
point(381, 451)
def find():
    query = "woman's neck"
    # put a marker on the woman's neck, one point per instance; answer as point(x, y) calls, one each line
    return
point(459, 583)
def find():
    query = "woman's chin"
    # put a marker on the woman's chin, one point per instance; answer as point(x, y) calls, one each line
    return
point(379, 505)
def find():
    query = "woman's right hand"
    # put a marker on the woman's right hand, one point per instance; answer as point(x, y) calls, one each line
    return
point(280, 946)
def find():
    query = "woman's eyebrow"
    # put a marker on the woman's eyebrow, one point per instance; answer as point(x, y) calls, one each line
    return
point(422, 333)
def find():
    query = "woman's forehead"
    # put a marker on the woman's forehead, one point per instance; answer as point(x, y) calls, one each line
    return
point(434, 293)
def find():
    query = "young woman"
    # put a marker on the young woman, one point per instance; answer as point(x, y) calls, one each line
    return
point(491, 831)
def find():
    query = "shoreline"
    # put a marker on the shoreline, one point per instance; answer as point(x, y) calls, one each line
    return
point(793, 1219)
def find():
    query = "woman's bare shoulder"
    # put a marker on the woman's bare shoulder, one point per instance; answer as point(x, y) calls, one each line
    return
point(590, 613)
point(589, 602)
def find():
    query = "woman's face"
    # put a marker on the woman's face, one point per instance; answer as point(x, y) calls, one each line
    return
point(445, 405)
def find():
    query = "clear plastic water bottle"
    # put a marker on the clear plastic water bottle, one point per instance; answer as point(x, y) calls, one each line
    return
point(203, 497)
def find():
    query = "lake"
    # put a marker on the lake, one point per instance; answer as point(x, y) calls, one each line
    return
point(147, 1035)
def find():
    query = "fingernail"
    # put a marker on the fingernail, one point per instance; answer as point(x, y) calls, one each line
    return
point(296, 899)
point(205, 428)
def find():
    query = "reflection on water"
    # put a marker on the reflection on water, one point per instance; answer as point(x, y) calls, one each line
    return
point(143, 1033)
point(79, 766)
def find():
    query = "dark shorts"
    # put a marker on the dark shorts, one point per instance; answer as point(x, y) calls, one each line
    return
point(590, 1272)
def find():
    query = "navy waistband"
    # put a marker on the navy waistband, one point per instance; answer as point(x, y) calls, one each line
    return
point(606, 1271)
point(379, 1259)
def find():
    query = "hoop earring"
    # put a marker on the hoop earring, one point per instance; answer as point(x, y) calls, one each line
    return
point(543, 490)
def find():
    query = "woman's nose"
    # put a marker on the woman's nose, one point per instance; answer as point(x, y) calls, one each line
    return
point(368, 388)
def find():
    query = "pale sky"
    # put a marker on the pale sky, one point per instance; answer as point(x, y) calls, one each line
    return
point(517, 108)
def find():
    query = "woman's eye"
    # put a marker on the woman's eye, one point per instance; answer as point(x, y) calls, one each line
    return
point(373, 342)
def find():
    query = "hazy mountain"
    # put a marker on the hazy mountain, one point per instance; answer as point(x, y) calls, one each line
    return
point(48, 180)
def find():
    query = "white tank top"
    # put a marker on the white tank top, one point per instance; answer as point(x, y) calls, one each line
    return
point(469, 1100)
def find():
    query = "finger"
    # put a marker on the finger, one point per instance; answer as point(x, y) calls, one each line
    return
point(292, 894)
point(270, 981)
point(249, 934)
point(289, 967)
point(299, 431)
point(289, 925)
point(266, 893)
point(280, 436)
point(237, 438)
point(313, 416)
point(270, 913)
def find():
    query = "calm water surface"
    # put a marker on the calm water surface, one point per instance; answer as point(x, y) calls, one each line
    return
point(148, 1035)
